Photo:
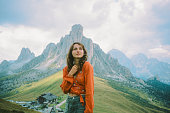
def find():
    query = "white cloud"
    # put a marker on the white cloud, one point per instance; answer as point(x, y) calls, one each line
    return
point(130, 27)
point(14, 38)
point(160, 51)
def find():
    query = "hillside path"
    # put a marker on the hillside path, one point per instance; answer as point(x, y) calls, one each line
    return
point(58, 105)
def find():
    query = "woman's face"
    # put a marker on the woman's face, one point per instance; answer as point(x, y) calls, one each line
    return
point(78, 51)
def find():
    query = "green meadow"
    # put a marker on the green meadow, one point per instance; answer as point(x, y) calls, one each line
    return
point(8, 107)
point(109, 96)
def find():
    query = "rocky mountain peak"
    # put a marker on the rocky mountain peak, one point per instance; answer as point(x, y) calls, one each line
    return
point(4, 64)
point(123, 59)
point(140, 56)
point(49, 49)
point(25, 54)
point(116, 53)
point(76, 32)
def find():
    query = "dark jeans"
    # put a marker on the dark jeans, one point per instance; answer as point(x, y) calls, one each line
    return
point(73, 105)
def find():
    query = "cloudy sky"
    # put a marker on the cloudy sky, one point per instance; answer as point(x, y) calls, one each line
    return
point(132, 26)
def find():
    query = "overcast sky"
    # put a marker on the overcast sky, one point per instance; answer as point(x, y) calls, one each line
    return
point(131, 26)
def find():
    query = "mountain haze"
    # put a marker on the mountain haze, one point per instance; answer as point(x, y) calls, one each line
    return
point(143, 67)
point(150, 67)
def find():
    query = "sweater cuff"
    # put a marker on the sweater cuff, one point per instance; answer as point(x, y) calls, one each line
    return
point(69, 79)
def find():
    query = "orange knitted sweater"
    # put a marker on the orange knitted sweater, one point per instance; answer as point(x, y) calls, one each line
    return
point(82, 84)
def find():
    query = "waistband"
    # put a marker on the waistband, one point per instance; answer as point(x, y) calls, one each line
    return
point(75, 96)
point(72, 94)
point(81, 96)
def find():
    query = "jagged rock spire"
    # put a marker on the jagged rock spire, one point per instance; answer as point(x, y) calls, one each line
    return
point(76, 32)
point(25, 54)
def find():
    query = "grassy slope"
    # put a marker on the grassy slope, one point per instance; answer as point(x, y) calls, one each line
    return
point(31, 91)
point(8, 107)
point(107, 98)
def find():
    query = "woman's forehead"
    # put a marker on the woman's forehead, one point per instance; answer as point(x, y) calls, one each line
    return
point(77, 45)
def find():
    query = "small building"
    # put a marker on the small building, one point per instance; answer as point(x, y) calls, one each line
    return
point(46, 98)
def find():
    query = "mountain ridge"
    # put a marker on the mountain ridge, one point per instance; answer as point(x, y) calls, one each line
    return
point(10, 67)
point(143, 67)
point(53, 59)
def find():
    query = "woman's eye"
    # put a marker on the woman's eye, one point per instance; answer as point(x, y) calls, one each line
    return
point(80, 48)
point(75, 49)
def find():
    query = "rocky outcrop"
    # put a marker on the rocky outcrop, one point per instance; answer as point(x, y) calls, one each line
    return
point(123, 60)
point(11, 67)
point(25, 55)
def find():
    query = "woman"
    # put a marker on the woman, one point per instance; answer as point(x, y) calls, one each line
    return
point(78, 81)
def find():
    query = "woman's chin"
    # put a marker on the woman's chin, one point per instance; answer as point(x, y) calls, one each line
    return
point(78, 57)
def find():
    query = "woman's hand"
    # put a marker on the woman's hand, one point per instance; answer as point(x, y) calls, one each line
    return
point(73, 70)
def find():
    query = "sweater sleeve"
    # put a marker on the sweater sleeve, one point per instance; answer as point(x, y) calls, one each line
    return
point(67, 82)
point(89, 87)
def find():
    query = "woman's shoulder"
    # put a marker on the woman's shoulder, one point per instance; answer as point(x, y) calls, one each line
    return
point(87, 64)
point(65, 68)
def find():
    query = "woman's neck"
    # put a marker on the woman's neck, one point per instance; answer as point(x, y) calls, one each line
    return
point(76, 61)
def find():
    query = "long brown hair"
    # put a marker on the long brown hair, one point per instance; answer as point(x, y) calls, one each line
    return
point(70, 57)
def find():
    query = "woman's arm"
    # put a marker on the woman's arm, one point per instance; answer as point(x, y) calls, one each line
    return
point(67, 81)
point(89, 87)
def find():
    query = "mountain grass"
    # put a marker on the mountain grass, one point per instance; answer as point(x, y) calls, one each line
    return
point(31, 91)
point(8, 107)
point(109, 96)
point(110, 100)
